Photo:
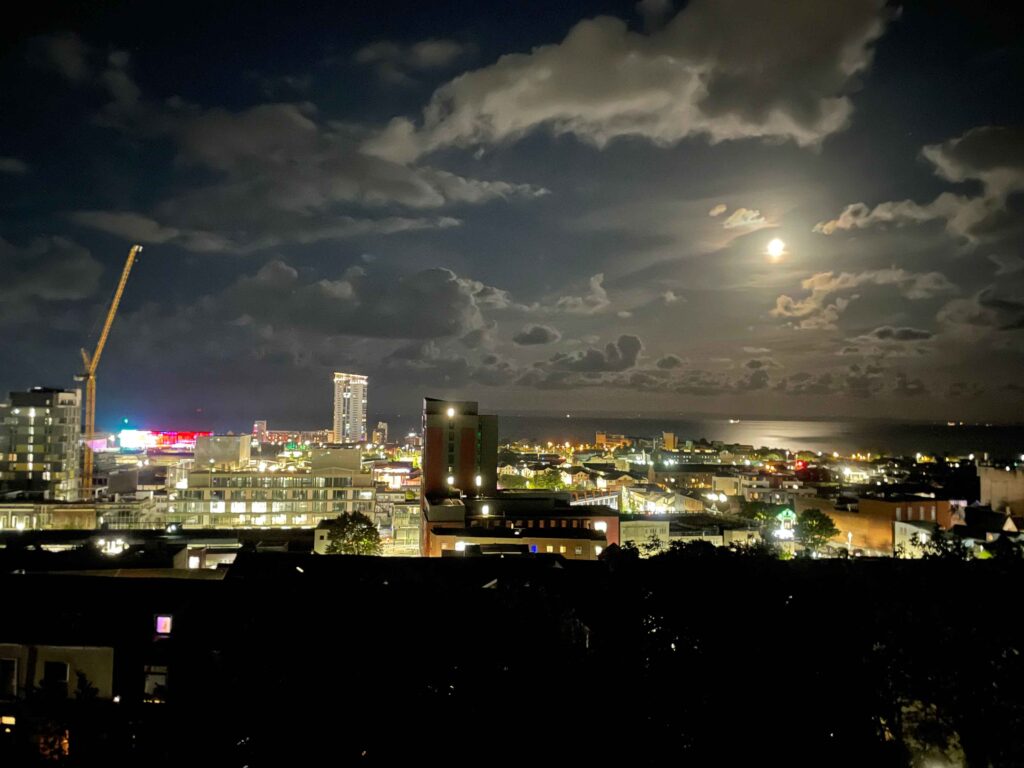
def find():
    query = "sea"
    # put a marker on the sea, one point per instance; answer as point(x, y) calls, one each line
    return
point(986, 441)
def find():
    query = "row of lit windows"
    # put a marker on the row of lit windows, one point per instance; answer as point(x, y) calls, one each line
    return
point(586, 524)
point(277, 494)
point(267, 481)
point(261, 507)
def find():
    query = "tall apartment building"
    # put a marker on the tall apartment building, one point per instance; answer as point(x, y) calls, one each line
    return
point(350, 407)
point(40, 443)
point(460, 449)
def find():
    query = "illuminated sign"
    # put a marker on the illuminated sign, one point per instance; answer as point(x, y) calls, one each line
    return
point(163, 625)
point(147, 439)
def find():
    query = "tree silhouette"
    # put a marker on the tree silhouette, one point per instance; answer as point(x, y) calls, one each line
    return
point(814, 528)
point(352, 533)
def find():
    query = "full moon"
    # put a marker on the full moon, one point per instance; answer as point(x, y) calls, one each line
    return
point(776, 248)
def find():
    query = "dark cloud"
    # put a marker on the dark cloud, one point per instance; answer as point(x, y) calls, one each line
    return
point(66, 53)
point(536, 334)
point(803, 383)
point(888, 333)
point(616, 356)
point(397, 64)
point(13, 166)
point(965, 389)
point(668, 362)
point(430, 304)
point(49, 268)
point(755, 380)
point(907, 387)
point(991, 155)
point(1008, 264)
point(828, 293)
point(274, 174)
point(985, 312)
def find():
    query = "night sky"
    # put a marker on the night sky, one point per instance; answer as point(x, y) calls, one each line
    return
point(546, 206)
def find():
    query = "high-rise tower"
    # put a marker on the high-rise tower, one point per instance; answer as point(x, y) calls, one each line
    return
point(350, 407)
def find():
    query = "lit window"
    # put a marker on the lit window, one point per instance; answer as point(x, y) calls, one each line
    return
point(551, 548)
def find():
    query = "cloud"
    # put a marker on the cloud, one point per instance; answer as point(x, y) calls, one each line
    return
point(717, 69)
point(591, 303)
point(13, 166)
point(1007, 264)
point(718, 210)
point(50, 269)
point(668, 362)
point(427, 305)
point(982, 314)
point(393, 62)
point(654, 12)
point(479, 338)
point(138, 228)
point(669, 297)
point(907, 387)
point(536, 334)
point(889, 341)
point(274, 174)
point(803, 383)
point(991, 155)
point(131, 226)
point(619, 355)
point(744, 217)
point(888, 333)
point(816, 311)
point(965, 389)
point(66, 53)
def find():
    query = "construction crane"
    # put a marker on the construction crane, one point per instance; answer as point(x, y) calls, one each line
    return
point(89, 375)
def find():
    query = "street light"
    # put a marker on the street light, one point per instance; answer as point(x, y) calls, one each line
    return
point(451, 412)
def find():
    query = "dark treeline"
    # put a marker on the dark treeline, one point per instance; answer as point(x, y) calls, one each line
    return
point(695, 657)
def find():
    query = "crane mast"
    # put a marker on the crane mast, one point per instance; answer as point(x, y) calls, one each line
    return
point(89, 373)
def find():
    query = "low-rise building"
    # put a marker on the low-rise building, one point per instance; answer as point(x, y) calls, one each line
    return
point(570, 543)
point(1002, 488)
point(58, 669)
